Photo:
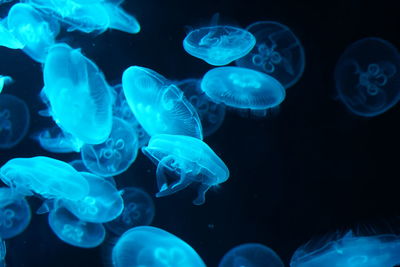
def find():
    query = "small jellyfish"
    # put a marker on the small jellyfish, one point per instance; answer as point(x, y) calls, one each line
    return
point(138, 210)
point(219, 45)
point(4, 80)
point(251, 255)
point(188, 160)
point(55, 140)
point(15, 213)
point(14, 120)
point(278, 52)
point(153, 247)
point(367, 77)
point(75, 232)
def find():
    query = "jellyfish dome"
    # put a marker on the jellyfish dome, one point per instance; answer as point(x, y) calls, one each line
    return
point(251, 254)
point(367, 77)
point(189, 160)
point(219, 45)
point(153, 247)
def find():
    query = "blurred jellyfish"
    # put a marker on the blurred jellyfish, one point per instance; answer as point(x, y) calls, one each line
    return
point(14, 120)
point(55, 140)
point(4, 80)
point(15, 213)
point(251, 254)
point(153, 247)
point(186, 160)
point(278, 52)
point(159, 106)
point(3, 252)
point(7, 39)
point(367, 77)
point(219, 45)
point(74, 231)
point(138, 210)
point(116, 154)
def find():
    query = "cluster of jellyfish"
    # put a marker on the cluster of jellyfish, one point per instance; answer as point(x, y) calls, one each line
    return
point(167, 121)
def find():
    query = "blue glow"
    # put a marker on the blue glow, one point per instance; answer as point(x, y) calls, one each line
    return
point(7, 39)
point(55, 140)
point(120, 20)
point(5, 80)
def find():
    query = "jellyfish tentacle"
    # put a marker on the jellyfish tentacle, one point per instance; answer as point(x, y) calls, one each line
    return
point(201, 195)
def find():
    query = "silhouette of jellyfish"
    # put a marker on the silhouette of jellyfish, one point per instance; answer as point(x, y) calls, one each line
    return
point(55, 140)
point(153, 247)
point(219, 45)
point(188, 160)
point(4, 80)
point(278, 52)
point(138, 210)
point(367, 77)
point(15, 213)
point(251, 254)
point(14, 120)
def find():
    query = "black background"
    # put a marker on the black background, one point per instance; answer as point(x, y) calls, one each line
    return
point(312, 169)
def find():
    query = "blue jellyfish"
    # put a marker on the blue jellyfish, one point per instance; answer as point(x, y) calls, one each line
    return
point(251, 254)
point(3, 251)
point(7, 39)
point(188, 160)
point(15, 213)
point(55, 140)
point(80, 98)
point(153, 247)
point(219, 45)
point(74, 231)
point(159, 106)
point(5, 80)
point(116, 154)
point(367, 77)
point(51, 178)
point(14, 120)
point(211, 114)
point(121, 20)
point(351, 251)
point(138, 210)
point(278, 52)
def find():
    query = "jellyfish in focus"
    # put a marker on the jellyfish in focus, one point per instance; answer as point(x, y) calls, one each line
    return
point(183, 160)
point(4, 80)
point(219, 45)
point(55, 140)
point(153, 247)
point(367, 77)
point(251, 254)
point(14, 120)
point(138, 210)
point(278, 52)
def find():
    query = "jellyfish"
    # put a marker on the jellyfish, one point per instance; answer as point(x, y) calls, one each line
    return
point(138, 211)
point(80, 167)
point(251, 254)
point(159, 106)
point(219, 45)
point(74, 231)
point(278, 52)
point(153, 247)
point(4, 80)
point(116, 154)
point(14, 120)
point(188, 160)
point(48, 177)
point(55, 140)
point(3, 251)
point(121, 20)
point(367, 77)
point(7, 39)
point(79, 96)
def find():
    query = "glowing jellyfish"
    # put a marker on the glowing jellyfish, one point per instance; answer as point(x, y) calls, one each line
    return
point(188, 160)
point(116, 154)
point(51, 178)
point(153, 247)
point(138, 210)
point(55, 140)
point(278, 52)
point(351, 251)
point(80, 167)
point(75, 232)
point(211, 114)
point(367, 77)
point(219, 45)
point(79, 96)
point(14, 120)
point(4, 80)
point(121, 20)
point(7, 39)
point(159, 106)
point(15, 213)
point(251, 254)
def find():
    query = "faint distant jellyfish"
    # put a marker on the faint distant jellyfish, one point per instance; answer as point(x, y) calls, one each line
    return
point(278, 52)
point(55, 140)
point(14, 120)
point(138, 210)
point(367, 77)
point(219, 45)
point(153, 247)
point(186, 160)
point(15, 213)
point(252, 255)
point(4, 80)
